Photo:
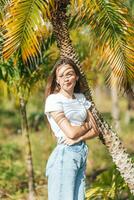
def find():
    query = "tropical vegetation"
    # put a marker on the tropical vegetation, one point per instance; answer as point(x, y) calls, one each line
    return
point(27, 30)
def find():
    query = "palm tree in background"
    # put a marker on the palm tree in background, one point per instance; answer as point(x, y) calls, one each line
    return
point(27, 23)
point(20, 81)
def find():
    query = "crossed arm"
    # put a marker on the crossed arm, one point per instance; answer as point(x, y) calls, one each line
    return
point(75, 134)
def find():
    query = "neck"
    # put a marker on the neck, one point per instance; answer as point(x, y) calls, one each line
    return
point(68, 94)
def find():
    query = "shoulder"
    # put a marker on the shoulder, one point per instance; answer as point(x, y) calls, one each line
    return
point(52, 97)
point(53, 103)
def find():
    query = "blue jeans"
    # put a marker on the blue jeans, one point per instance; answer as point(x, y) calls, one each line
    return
point(66, 172)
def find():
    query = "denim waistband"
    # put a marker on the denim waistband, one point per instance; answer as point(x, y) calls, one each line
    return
point(74, 147)
point(61, 139)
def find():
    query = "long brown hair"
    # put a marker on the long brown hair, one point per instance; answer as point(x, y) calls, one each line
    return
point(52, 87)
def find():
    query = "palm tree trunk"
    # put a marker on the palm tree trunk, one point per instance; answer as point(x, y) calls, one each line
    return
point(107, 135)
point(28, 153)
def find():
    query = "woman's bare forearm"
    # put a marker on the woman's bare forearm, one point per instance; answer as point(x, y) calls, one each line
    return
point(78, 131)
point(89, 135)
point(69, 130)
point(90, 118)
point(94, 131)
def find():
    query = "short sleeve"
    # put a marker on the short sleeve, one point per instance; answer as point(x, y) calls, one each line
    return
point(86, 103)
point(53, 103)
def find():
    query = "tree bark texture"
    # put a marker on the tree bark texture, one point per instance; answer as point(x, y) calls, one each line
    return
point(27, 151)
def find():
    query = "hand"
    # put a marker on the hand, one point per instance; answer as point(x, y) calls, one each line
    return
point(87, 125)
point(70, 141)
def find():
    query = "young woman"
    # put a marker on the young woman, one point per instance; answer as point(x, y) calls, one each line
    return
point(68, 113)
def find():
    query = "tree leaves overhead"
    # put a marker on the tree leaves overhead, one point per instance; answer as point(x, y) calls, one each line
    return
point(114, 36)
point(25, 24)
point(3, 3)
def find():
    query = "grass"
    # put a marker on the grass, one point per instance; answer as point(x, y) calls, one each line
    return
point(43, 143)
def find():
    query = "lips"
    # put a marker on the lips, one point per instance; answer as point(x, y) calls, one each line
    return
point(68, 84)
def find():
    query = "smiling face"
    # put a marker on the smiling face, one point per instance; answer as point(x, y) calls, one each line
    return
point(66, 78)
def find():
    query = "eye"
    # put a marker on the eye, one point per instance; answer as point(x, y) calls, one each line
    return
point(61, 75)
point(70, 74)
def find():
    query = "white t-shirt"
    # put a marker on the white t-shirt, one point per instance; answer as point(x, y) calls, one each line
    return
point(74, 110)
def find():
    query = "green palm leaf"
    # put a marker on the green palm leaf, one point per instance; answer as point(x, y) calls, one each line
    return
point(114, 35)
point(25, 24)
point(3, 3)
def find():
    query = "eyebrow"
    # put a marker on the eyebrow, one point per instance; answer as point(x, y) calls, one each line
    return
point(71, 70)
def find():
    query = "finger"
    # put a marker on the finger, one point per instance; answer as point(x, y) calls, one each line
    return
point(86, 125)
point(90, 124)
point(65, 142)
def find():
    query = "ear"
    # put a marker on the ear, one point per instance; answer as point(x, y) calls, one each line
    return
point(77, 78)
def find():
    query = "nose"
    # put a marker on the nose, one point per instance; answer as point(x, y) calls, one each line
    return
point(66, 79)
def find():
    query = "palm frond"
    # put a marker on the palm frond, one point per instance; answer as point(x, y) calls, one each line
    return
point(3, 3)
point(24, 28)
point(114, 33)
